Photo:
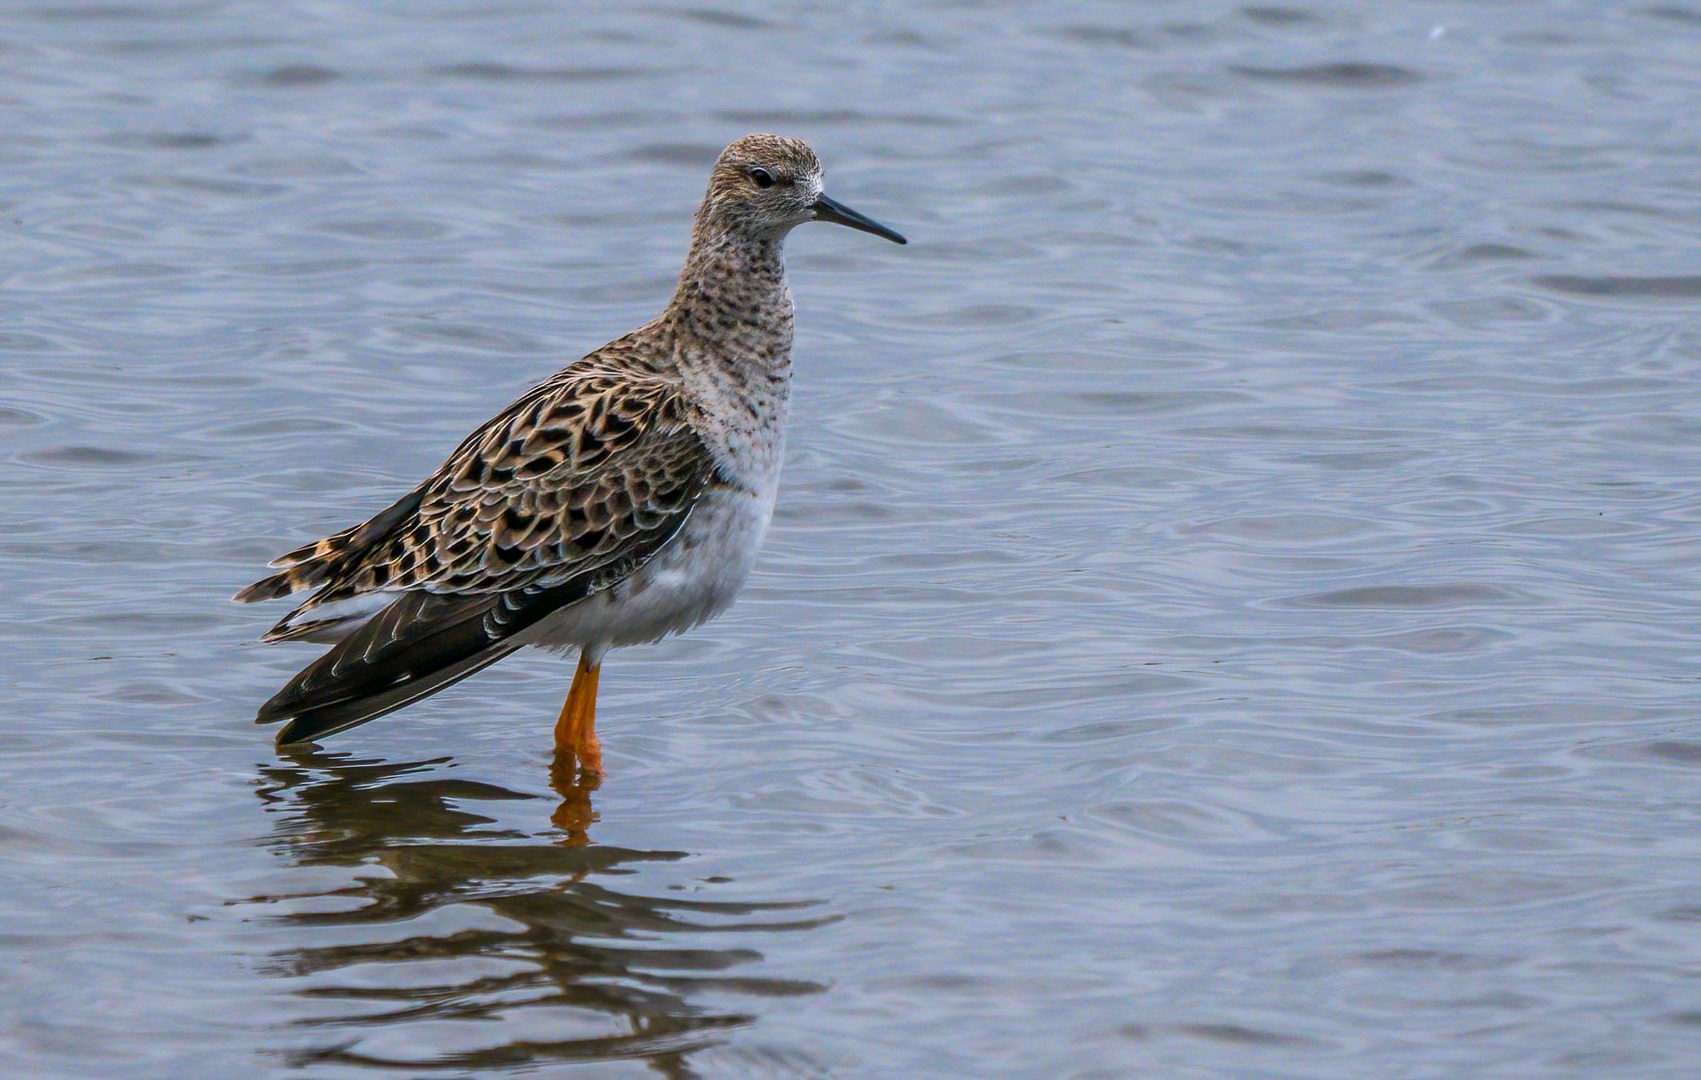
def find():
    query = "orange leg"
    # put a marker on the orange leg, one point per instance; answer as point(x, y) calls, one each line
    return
point(575, 731)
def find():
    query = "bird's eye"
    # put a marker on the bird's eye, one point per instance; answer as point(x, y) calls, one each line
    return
point(763, 178)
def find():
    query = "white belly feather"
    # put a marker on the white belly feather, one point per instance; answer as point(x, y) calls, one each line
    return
point(693, 578)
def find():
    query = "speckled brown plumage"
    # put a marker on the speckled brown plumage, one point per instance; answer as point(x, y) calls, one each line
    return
point(620, 500)
point(598, 463)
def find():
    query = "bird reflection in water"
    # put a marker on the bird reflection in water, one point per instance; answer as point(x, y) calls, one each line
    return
point(413, 977)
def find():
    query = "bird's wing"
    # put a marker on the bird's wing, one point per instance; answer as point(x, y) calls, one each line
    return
point(568, 491)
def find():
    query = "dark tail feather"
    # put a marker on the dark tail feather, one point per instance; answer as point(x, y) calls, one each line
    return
point(292, 580)
point(306, 725)
point(315, 564)
point(410, 650)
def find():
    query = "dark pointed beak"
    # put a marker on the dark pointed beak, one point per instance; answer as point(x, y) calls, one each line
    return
point(840, 214)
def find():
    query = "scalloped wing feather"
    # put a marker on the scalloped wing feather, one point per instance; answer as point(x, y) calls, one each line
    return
point(583, 471)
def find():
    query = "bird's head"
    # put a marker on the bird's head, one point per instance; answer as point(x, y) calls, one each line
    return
point(763, 186)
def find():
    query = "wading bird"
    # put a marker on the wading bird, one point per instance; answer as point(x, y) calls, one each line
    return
point(620, 501)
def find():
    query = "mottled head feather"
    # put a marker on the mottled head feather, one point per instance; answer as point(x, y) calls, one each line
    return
point(762, 186)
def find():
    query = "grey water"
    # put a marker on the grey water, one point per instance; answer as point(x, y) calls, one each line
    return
point(1232, 611)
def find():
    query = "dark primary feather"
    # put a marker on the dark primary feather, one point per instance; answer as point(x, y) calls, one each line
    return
point(412, 649)
point(415, 647)
point(566, 492)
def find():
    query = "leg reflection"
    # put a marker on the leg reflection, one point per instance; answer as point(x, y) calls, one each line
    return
point(574, 784)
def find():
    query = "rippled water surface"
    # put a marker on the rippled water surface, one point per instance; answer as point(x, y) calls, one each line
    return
point(1232, 611)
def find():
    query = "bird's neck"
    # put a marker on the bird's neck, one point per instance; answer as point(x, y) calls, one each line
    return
point(731, 322)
